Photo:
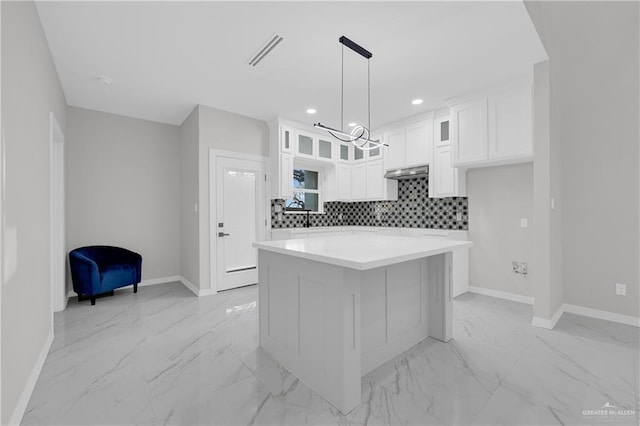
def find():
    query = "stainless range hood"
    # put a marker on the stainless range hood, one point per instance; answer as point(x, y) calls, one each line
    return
point(408, 173)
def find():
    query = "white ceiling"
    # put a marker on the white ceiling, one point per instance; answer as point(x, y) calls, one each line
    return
point(166, 57)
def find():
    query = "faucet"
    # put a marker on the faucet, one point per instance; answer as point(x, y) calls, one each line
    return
point(308, 223)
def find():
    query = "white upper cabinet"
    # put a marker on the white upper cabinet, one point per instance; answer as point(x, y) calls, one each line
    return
point(396, 149)
point(343, 176)
point(444, 180)
point(409, 144)
point(358, 181)
point(286, 139)
point(286, 176)
point(493, 130)
point(326, 149)
point(510, 126)
point(345, 152)
point(359, 155)
point(418, 141)
point(375, 180)
point(468, 127)
point(306, 145)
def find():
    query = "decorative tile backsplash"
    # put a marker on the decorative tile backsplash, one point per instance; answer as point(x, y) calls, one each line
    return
point(414, 209)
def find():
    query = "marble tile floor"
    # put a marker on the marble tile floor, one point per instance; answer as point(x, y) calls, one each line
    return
point(164, 356)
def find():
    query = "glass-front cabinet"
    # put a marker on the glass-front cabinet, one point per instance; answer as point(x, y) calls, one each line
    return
point(305, 144)
point(346, 152)
point(286, 139)
point(325, 149)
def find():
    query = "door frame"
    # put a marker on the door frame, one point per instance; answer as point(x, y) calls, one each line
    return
point(59, 293)
point(214, 154)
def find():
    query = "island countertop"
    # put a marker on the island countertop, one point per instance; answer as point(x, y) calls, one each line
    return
point(363, 252)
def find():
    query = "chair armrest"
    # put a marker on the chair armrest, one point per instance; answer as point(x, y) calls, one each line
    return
point(84, 274)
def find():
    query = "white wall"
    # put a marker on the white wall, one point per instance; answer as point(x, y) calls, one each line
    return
point(498, 198)
point(123, 187)
point(226, 131)
point(30, 91)
point(594, 97)
point(189, 235)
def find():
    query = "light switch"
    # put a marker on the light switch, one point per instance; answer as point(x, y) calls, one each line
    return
point(553, 203)
point(524, 222)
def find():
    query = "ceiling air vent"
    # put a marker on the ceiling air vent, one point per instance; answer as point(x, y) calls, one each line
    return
point(265, 49)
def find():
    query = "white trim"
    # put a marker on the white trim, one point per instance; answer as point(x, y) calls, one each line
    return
point(143, 283)
point(585, 312)
point(162, 280)
point(194, 289)
point(56, 199)
point(21, 406)
point(502, 295)
point(190, 286)
point(549, 324)
point(237, 155)
point(603, 315)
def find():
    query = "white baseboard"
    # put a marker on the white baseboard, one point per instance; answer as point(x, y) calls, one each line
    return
point(195, 290)
point(502, 295)
point(25, 396)
point(585, 312)
point(190, 286)
point(143, 283)
point(603, 315)
point(548, 323)
point(162, 280)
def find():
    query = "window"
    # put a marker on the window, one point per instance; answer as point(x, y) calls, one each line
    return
point(306, 191)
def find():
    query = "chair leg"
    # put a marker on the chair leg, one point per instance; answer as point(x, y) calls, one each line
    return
point(135, 288)
point(93, 300)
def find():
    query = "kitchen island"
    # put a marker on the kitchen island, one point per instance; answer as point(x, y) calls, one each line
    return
point(333, 309)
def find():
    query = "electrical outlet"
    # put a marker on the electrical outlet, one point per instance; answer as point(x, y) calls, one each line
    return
point(524, 222)
point(519, 267)
point(621, 289)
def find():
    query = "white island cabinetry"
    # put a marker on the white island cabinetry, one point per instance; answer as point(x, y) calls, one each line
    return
point(333, 309)
point(460, 258)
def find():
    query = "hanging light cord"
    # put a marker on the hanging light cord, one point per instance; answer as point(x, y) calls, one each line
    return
point(360, 135)
point(342, 92)
point(368, 92)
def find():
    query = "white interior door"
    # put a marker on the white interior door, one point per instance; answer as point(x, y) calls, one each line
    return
point(239, 220)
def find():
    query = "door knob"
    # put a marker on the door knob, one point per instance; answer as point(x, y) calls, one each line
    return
point(222, 234)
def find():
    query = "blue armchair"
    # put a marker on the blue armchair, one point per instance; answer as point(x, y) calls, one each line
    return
point(101, 269)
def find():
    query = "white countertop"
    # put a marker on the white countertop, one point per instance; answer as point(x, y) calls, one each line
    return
point(363, 252)
point(343, 228)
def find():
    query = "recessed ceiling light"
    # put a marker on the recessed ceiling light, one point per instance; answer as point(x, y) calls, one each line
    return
point(352, 124)
point(311, 111)
point(103, 80)
point(416, 101)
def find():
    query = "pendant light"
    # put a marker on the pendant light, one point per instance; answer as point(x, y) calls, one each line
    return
point(359, 135)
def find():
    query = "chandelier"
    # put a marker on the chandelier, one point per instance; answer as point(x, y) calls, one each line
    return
point(359, 135)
